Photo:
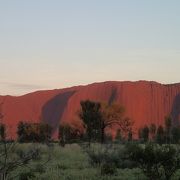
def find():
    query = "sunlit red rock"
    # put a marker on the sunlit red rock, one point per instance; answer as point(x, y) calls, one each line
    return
point(145, 103)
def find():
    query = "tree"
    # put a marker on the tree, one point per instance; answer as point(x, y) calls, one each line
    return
point(152, 130)
point(145, 133)
point(130, 135)
point(63, 131)
point(67, 134)
point(160, 135)
point(45, 132)
point(91, 115)
point(113, 114)
point(21, 131)
point(118, 135)
point(33, 132)
point(168, 125)
point(140, 133)
point(175, 134)
point(2, 131)
point(156, 161)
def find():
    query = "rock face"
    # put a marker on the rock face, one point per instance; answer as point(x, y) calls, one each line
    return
point(145, 103)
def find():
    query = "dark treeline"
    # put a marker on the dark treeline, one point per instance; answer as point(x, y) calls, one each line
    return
point(96, 119)
point(166, 134)
point(34, 132)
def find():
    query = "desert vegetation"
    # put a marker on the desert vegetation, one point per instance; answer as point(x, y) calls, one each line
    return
point(92, 153)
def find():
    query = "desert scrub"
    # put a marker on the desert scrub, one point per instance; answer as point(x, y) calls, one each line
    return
point(107, 154)
point(73, 163)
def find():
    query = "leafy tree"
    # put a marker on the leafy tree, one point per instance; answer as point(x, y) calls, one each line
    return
point(140, 133)
point(45, 131)
point(152, 131)
point(113, 114)
point(21, 131)
point(118, 135)
point(156, 161)
point(91, 115)
point(144, 133)
point(168, 125)
point(130, 135)
point(64, 131)
point(67, 134)
point(175, 134)
point(33, 132)
point(160, 135)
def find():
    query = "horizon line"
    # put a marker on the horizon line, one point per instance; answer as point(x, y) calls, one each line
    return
point(98, 82)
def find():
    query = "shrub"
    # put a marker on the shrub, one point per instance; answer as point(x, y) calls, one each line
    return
point(117, 156)
point(155, 161)
point(108, 169)
point(33, 132)
point(96, 157)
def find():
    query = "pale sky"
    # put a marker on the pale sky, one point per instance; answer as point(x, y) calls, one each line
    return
point(47, 44)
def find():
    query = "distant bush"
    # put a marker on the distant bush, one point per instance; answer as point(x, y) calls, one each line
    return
point(106, 159)
point(34, 132)
point(68, 134)
point(156, 161)
point(116, 156)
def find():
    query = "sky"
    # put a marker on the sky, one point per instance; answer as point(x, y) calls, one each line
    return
point(51, 44)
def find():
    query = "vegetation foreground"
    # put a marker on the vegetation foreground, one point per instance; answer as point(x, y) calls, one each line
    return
point(78, 162)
